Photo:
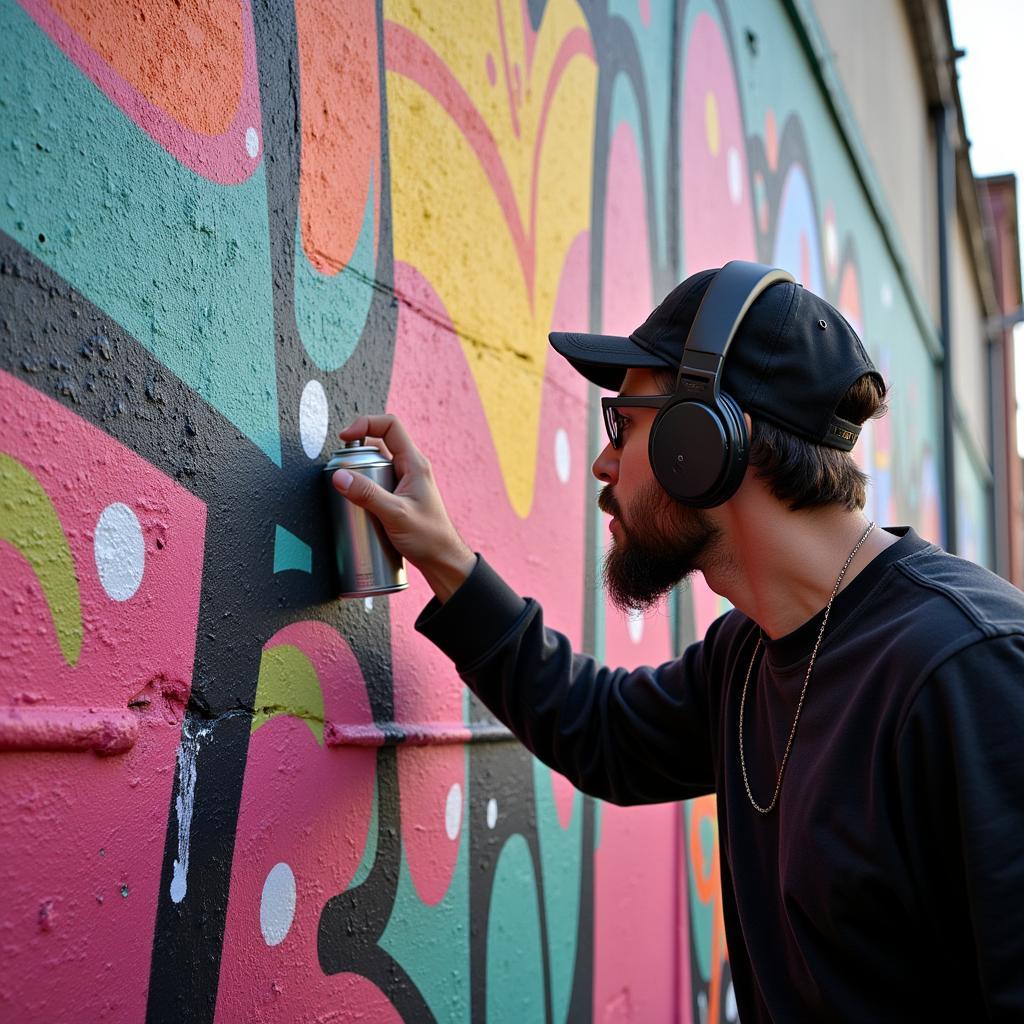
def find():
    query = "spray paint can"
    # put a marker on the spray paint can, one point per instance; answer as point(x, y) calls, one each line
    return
point(368, 563)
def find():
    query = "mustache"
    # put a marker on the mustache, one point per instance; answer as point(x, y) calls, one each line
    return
point(607, 503)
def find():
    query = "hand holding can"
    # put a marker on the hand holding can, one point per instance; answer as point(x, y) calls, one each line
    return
point(367, 561)
point(413, 514)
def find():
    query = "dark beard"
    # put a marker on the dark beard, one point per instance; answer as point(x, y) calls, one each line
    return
point(662, 545)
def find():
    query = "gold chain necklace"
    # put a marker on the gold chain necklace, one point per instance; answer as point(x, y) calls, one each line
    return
point(803, 692)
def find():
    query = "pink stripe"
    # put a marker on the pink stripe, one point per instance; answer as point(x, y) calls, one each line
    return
point(575, 44)
point(220, 158)
point(508, 76)
point(408, 55)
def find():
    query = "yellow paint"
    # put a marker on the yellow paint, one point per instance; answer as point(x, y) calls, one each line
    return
point(711, 126)
point(30, 524)
point(288, 685)
point(448, 222)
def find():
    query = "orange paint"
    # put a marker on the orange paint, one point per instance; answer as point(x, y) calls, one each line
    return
point(706, 878)
point(340, 109)
point(186, 57)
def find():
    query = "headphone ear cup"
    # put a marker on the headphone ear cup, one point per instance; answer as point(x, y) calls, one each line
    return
point(698, 452)
point(736, 454)
point(687, 450)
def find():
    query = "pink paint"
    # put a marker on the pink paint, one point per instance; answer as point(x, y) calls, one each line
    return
point(75, 827)
point(849, 298)
point(529, 35)
point(222, 158)
point(566, 796)
point(285, 818)
point(641, 950)
point(627, 298)
point(716, 228)
point(511, 87)
point(540, 555)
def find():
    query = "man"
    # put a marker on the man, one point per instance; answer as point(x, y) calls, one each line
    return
point(859, 714)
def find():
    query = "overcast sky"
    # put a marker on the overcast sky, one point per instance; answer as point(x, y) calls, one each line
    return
point(991, 32)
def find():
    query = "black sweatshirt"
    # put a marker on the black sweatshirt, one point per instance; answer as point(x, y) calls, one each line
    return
point(888, 882)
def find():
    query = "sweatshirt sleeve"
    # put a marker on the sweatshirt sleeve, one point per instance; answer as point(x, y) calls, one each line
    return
point(630, 737)
point(961, 768)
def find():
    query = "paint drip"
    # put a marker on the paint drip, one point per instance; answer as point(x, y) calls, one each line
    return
point(188, 757)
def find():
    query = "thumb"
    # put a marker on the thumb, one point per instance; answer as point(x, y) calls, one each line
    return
point(362, 491)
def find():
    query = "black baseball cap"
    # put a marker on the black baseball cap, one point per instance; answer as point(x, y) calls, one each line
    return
point(791, 362)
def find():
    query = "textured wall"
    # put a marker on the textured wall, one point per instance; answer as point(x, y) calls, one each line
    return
point(223, 232)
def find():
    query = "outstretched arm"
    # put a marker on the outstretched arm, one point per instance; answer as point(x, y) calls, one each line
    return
point(414, 516)
point(628, 737)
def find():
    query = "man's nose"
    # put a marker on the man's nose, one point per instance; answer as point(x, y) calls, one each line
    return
point(606, 465)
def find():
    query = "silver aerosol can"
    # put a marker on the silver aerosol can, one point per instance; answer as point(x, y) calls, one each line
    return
point(368, 563)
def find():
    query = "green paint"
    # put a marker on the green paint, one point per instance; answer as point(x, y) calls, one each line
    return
point(432, 942)
point(701, 914)
point(331, 309)
point(561, 864)
point(290, 552)
point(288, 685)
point(181, 263)
point(370, 850)
point(515, 964)
point(30, 524)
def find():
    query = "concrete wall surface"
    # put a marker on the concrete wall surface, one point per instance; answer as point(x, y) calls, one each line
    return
point(225, 230)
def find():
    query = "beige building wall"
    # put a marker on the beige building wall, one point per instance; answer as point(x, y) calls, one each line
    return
point(873, 51)
point(970, 353)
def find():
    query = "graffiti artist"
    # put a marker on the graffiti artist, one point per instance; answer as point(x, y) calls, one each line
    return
point(858, 713)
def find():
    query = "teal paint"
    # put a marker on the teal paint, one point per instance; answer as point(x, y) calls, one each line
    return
point(515, 967)
point(370, 851)
point(432, 942)
point(330, 310)
point(561, 861)
point(181, 263)
point(701, 914)
point(290, 552)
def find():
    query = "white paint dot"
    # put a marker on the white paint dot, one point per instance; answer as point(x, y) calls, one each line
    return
point(313, 418)
point(735, 171)
point(492, 812)
point(563, 455)
point(453, 811)
point(252, 142)
point(368, 604)
point(831, 246)
point(120, 551)
point(886, 295)
point(277, 905)
point(635, 624)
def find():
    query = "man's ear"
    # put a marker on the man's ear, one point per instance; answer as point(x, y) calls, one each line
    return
point(749, 422)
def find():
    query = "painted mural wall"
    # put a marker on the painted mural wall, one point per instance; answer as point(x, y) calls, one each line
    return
point(225, 230)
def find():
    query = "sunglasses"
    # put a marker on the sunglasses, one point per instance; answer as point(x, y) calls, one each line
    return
point(614, 421)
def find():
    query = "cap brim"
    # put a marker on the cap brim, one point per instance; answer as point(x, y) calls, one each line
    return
point(604, 358)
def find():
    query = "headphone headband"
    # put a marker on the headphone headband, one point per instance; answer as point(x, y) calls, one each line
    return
point(698, 445)
point(725, 303)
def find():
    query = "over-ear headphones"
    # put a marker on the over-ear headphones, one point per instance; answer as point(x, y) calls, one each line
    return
point(699, 445)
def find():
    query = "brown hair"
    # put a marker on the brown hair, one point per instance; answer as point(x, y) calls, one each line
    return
point(804, 474)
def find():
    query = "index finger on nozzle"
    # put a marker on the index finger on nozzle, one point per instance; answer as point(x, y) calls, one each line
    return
point(386, 426)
